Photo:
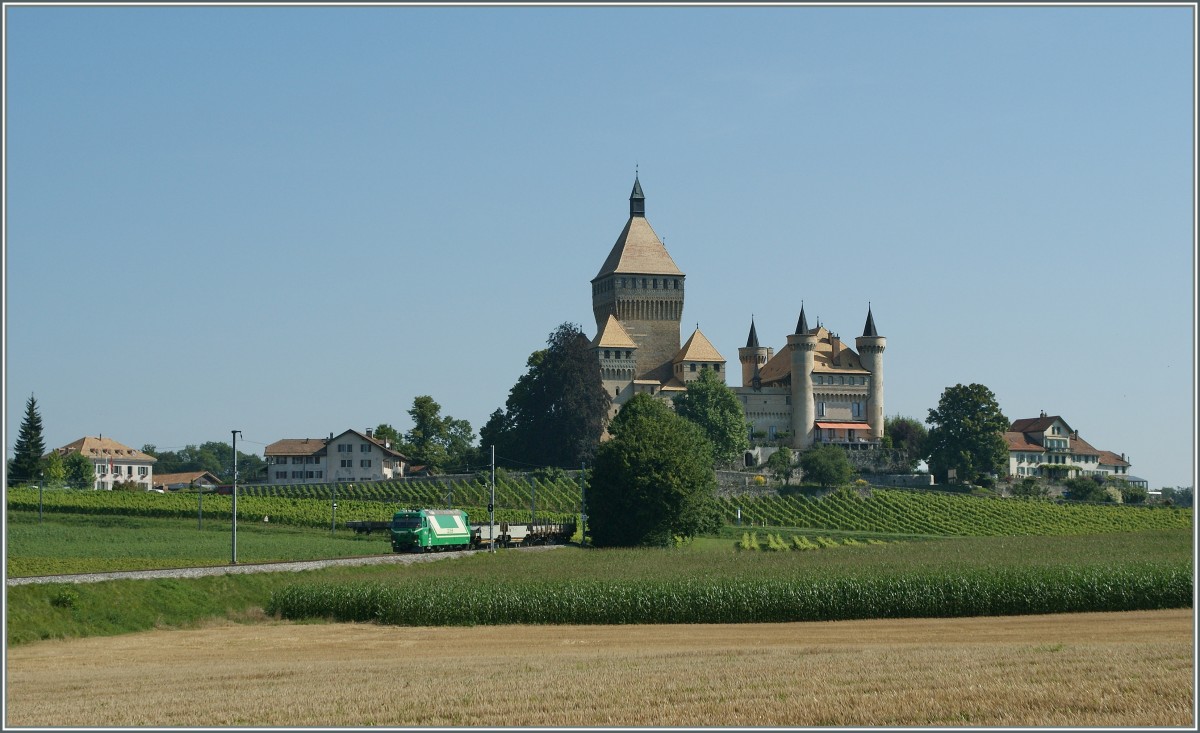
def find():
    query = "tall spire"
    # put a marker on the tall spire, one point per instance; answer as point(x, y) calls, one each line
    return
point(752, 341)
point(802, 324)
point(869, 329)
point(637, 200)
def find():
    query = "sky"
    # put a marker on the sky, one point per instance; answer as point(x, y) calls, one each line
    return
point(291, 221)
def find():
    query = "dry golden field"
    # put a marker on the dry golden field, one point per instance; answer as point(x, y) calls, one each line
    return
point(1078, 670)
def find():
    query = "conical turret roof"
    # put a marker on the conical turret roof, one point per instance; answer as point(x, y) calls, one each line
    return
point(802, 323)
point(752, 341)
point(869, 329)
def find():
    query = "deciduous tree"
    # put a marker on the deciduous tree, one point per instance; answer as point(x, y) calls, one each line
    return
point(441, 443)
point(966, 433)
point(780, 465)
point(907, 436)
point(713, 406)
point(80, 473)
point(653, 480)
point(826, 465)
point(555, 413)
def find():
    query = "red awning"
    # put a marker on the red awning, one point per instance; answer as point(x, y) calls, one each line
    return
point(844, 425)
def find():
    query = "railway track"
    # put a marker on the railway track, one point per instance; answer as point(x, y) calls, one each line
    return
point(243, 568)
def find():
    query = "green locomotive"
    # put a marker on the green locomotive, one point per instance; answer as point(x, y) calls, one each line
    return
point(430, 530)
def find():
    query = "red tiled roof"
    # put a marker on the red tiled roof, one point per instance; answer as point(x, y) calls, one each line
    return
point(1018, 441)
point(1108, 458)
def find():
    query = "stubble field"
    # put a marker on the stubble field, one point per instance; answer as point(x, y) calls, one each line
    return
point(1079, 670)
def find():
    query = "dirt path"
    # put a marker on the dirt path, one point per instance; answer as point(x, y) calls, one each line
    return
point(1070, 670)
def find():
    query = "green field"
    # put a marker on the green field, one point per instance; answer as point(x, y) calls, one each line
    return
point(879, 556)
point(84, 543)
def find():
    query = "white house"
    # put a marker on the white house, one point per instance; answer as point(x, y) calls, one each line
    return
point(350, 456)
point(1038, 446)
point(112, 462)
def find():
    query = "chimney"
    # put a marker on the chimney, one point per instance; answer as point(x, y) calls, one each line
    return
point(836, 343)
point(368, 432)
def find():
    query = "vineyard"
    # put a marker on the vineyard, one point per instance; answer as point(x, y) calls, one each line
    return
point(884, 511)
point(561, 495)
point(302, 512)
point(927, 513)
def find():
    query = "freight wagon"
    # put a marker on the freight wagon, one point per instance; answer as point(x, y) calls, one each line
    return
point(438, 530)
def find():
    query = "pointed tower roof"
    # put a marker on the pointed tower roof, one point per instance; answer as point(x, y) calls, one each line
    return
point(752, 341)
point(637, 200)
point(638, 250)
point(614, 336)
point(802, 324)
point(698, 348)
point(869, 329)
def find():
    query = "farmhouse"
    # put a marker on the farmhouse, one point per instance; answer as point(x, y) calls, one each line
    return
point(350, 456)
point(1047, 446)
point(112, 462)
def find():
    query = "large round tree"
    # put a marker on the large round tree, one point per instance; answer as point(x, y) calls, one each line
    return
point(966, 433)
point(713, 406)
point(653, 480)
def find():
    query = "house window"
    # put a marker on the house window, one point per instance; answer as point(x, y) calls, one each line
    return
point(281, 475)
point(142, 470)
point(364, 448)
point(364, 463)
point(347, 463)
point(308, 474)
point(320, 474)
point(297, 459)
point(297, 474)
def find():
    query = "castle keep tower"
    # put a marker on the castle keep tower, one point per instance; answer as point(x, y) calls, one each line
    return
point(640, 286)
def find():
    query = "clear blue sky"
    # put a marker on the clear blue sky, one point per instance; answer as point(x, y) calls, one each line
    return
point(291, 221)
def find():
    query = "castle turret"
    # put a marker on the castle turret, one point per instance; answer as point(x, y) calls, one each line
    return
point(803, 345)
point(753, 357)
point(870, 350)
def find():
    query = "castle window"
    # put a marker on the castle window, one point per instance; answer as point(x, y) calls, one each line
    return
point(622, 282)
point(676, 284)
point(655, 282)
point(691, 367)
point(628, 354)
point(716, 367)
point(820, 409)
point(643, 283)
point(606, 354)
point(616, 391)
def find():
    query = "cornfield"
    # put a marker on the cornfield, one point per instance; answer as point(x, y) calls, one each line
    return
point(916, 594)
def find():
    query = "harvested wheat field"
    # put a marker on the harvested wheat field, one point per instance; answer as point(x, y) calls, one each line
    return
point(1094, 669)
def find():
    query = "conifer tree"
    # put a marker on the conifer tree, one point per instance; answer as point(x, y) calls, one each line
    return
point(27, 453)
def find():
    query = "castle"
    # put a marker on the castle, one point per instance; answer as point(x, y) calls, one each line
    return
point(817, 390)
